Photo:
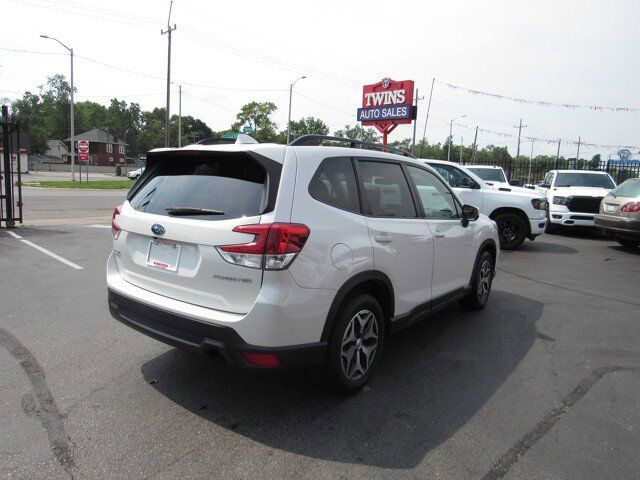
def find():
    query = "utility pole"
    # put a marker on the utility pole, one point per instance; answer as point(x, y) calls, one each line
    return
point(558, 153)
point(461, 141)
point(450, 139)
point(167, 114)
point(415, 123)
point(531, 160)
point(290, 98)
point(179, 116)
point(475, 146)
point(519, 127)
point(578, 154)
point(424, 132)
point(73, 150)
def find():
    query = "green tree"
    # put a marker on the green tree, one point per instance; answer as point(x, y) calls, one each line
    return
point(30, 113)
point(358, 132)
point(304, 126)
point(258, 116)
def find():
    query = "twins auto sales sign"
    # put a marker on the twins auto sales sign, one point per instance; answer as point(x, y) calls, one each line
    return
point(386, 104)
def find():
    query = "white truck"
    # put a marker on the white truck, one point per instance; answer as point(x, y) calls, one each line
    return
point(519, 213)
point(574, 196)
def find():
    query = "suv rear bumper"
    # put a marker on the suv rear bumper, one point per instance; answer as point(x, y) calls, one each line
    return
point(205, 338)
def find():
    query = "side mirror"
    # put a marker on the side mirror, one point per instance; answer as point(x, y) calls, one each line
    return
point(466, 182)
point(544, 185)
point(469, 214)
point(514, 183)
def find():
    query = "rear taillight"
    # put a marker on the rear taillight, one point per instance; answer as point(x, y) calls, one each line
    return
point(274, 245)
point(115, 229)
point(631, 207)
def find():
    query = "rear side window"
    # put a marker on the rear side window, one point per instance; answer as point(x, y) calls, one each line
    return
point(205, 187)
point(334, 183)
point(628, 188)
point(385, 189)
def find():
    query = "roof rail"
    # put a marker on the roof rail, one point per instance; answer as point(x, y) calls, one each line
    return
point(308, 139)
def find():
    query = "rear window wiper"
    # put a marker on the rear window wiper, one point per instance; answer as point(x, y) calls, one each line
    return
point(192, 211)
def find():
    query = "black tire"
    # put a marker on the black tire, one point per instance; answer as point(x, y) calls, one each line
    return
point(627, 242)
point(342, 373)
point(512, 230)
point(480, 283)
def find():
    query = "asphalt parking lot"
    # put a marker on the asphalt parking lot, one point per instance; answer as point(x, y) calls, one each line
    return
point(542, 384)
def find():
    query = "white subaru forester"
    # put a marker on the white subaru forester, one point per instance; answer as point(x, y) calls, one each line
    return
point(303, 255)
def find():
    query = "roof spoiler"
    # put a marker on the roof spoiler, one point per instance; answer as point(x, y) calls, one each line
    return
point(233, 139)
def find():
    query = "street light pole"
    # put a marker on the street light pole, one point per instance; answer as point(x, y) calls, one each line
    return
point(289, 118)
point(451, 136)
point(72, 138)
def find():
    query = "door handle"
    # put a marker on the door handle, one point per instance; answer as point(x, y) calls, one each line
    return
point(438, 234)
point(383, 238)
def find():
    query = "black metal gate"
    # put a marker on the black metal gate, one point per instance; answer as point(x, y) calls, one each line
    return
point(10, 171)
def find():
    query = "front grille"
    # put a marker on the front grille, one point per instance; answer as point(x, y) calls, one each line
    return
point(583, 204)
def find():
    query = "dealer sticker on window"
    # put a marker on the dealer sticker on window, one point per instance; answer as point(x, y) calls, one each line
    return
point(163, 255)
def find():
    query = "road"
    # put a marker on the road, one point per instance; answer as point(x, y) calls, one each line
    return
point(50, 206)
point(542, 384)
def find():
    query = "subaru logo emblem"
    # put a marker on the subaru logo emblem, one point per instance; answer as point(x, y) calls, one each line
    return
point(158, 229)
point(385, 82)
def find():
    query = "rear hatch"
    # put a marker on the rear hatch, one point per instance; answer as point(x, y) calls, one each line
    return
point(185, 204)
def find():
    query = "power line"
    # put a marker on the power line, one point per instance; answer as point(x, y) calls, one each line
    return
point(209, 102)
point(30, 51)
point(324, 104)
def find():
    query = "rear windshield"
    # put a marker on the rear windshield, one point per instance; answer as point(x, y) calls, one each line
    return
point(206, 188)
point(628, 188)
point(601, 180)
point(489, 174)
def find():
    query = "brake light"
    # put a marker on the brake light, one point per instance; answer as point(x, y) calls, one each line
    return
point(274, 246)
point(115, 228)
point(630, 207)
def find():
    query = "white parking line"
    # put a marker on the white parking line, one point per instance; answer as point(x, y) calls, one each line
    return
point(97, 226)
point(45, 251)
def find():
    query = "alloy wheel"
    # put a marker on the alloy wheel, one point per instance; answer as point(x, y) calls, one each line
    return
point(484, 281)
point(359, 344)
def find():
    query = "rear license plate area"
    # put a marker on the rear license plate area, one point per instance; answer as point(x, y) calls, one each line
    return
point(163, 255)
point(609, 208)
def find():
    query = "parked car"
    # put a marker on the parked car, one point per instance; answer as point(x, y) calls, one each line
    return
point(492, 175)
point(134, 174)
point(519, 213)
point(277, 256)
point(620, 213)
point(574, 196)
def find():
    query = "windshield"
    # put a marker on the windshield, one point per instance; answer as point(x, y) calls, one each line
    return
point(628, 188)
point(489, 174)
point(575, 179)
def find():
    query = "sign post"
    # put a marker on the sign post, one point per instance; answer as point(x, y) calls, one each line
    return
point(387, 104)
point(83, 156)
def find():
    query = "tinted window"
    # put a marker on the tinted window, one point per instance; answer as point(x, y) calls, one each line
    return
point(437, 200)
point(489, 174)
point(453, 176)
point(386, 190)
point(576, 179)
point(334, 183)
point(235, 186)
point(628, 188)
